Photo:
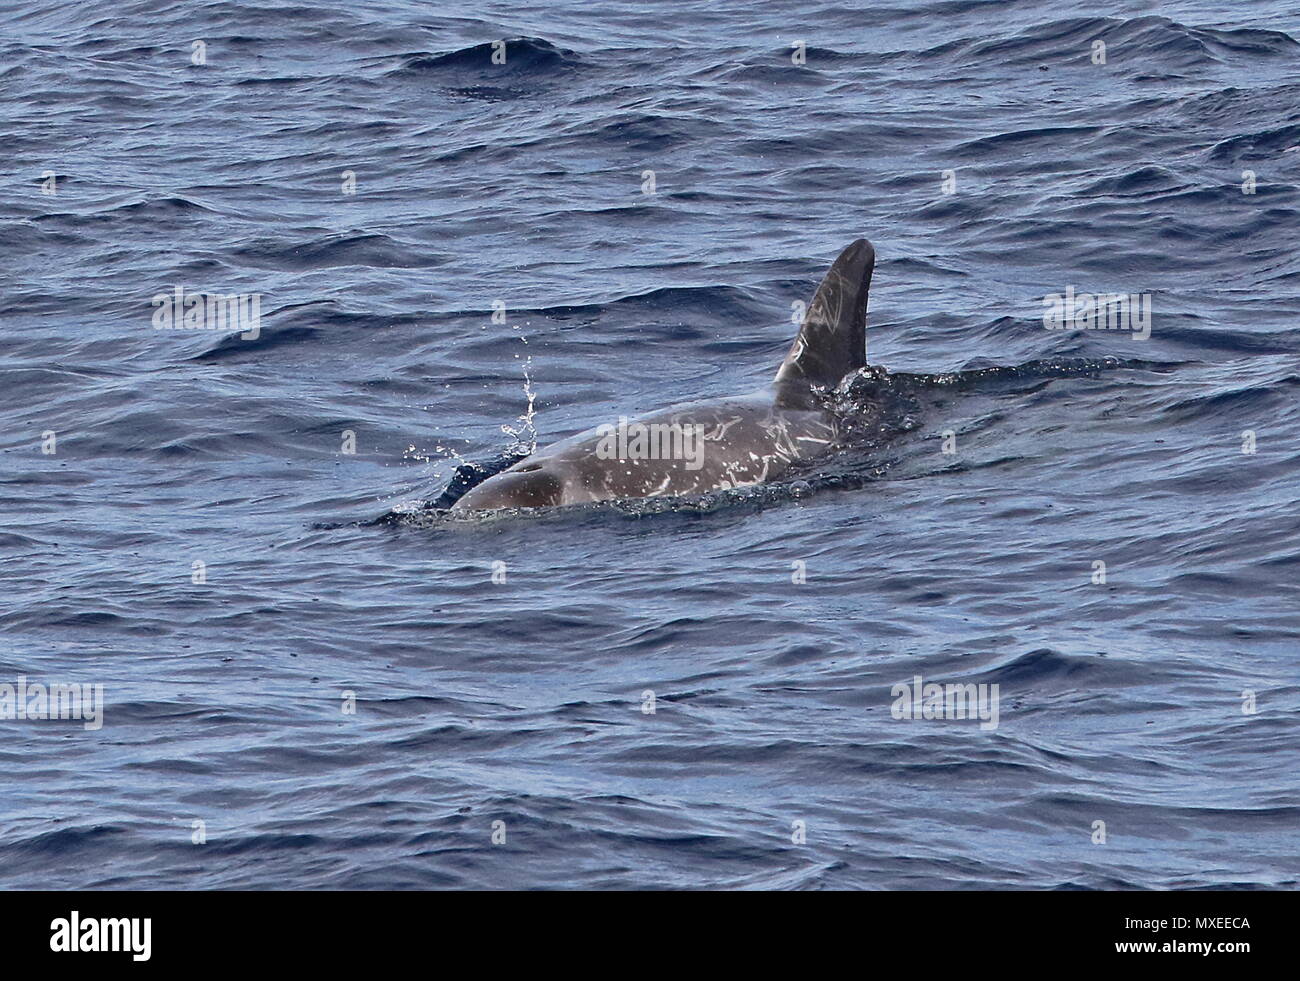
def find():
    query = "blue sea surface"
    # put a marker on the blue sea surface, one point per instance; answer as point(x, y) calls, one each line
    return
point(313, 681)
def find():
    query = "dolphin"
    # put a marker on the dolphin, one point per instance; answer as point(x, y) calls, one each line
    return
point(692, 448)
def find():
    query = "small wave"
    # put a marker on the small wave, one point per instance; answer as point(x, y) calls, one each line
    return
point(1095, 671)
point(1031, 371)
point(1262, 400)
point(523, 55)
point(1259, 145)
point(1025, 141)
point(277, 330)
point(61, 842)
point(171, 206)
point(376, 250)
point(714, 302)
point(1137, 183)
point(647, 132)
point(1155, 45)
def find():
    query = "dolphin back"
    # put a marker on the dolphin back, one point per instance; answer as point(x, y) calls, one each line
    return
point(832, 340)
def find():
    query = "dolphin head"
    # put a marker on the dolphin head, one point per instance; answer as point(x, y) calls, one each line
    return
point(529, 487)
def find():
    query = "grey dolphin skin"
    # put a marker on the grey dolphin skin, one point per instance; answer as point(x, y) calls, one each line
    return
point(715, 444)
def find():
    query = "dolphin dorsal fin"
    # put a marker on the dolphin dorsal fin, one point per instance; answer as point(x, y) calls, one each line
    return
point(832, 340)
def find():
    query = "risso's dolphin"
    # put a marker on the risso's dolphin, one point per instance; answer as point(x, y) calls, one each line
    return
point(715, 444)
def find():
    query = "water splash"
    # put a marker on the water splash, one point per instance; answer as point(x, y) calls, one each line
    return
point(467, 473)
point(524, 439)
point(420, 456)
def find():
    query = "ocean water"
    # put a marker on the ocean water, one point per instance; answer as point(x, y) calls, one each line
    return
point(312, 680)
